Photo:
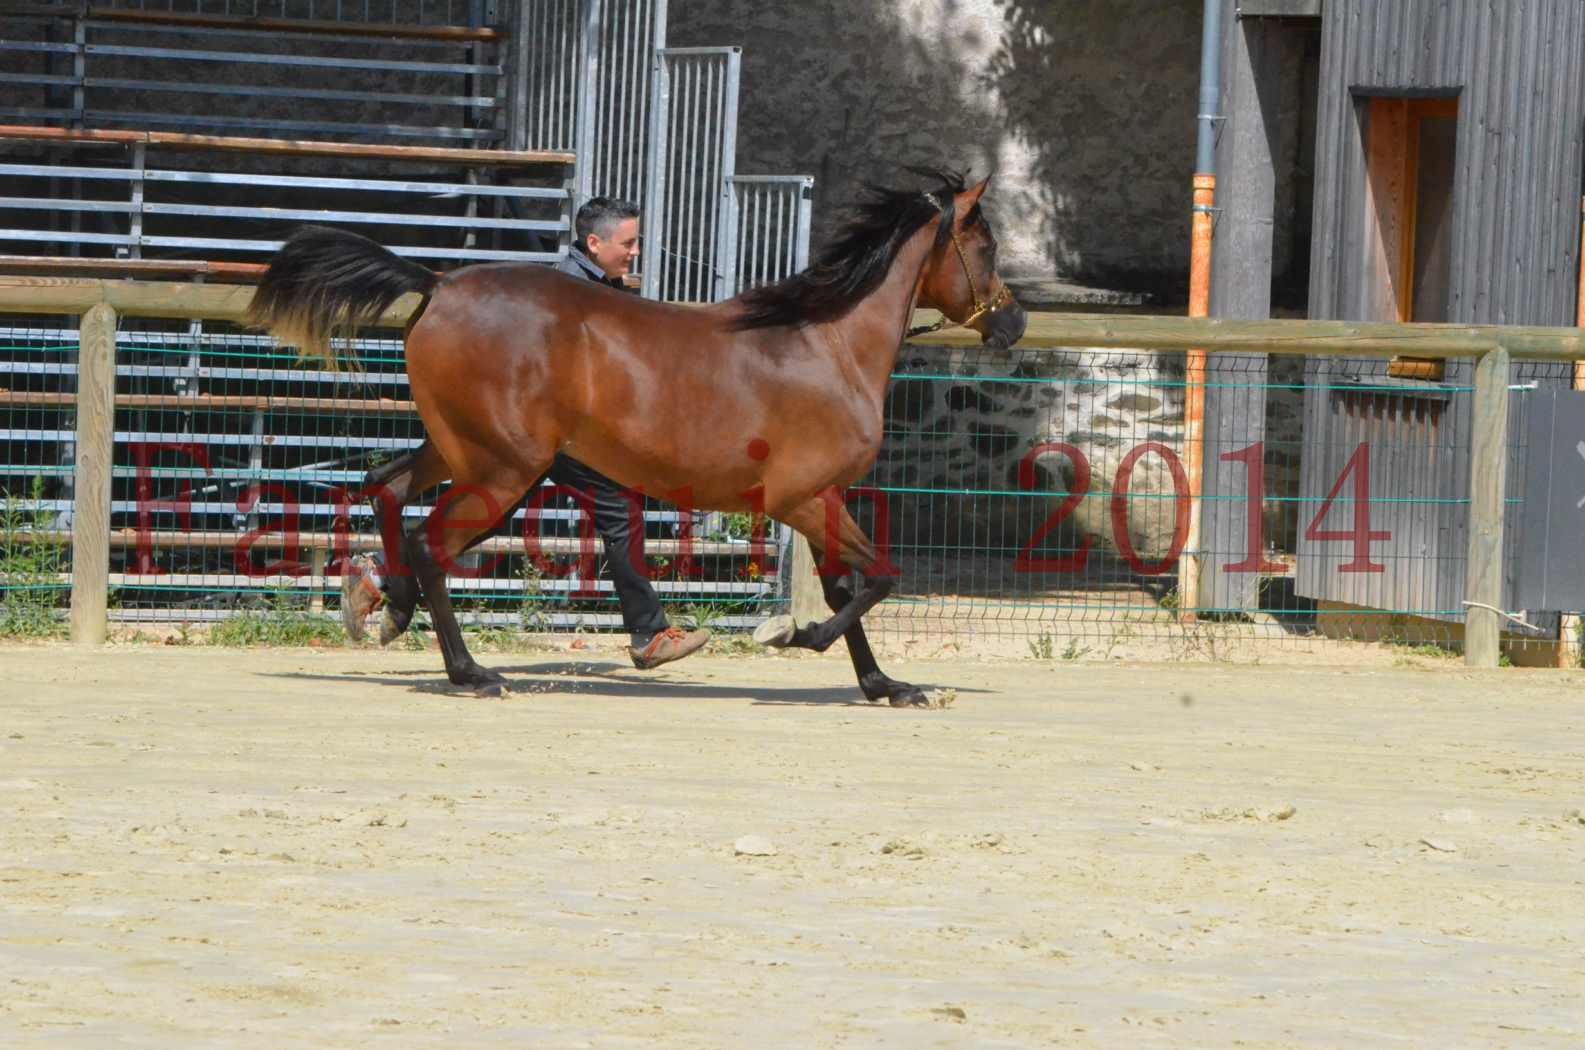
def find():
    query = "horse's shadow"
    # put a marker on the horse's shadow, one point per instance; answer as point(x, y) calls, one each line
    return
point(608, 680)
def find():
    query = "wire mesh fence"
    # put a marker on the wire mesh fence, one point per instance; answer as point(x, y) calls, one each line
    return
point(1040, 497)
point(1034, 499)
point(239, 490)
point(37, 406)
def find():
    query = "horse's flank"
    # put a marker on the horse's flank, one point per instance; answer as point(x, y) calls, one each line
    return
point(644, 392)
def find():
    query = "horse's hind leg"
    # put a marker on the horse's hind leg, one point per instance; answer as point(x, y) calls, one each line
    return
point(389, 488)
point(856, 551)
point(468, 511)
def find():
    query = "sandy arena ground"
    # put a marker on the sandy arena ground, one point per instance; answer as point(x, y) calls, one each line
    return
point(289, 848)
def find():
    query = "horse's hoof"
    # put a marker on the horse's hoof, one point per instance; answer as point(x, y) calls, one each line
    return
point(492, 690)
point(392, 628)
point(484, 682)
point(777, 632)
point(472, 674)
point(878, 687)
point(360, 595)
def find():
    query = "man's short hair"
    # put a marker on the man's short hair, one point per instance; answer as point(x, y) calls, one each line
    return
point(598, 215)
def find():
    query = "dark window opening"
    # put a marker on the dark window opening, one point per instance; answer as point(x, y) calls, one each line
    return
point(1411, 149)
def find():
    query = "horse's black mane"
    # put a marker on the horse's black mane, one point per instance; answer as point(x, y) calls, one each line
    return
point(856, 262)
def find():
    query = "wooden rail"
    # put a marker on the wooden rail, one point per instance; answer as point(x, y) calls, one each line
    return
point(35, 294)
point(1494, 347)
point(1340, 338)
point(299, 26)
point(71, 295)
point(284, 147)
point(79, 267)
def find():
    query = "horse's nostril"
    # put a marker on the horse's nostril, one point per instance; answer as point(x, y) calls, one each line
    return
point(1005, 327)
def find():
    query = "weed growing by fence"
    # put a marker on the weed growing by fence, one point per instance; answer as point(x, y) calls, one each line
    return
point(31, 593)
point(280, 621)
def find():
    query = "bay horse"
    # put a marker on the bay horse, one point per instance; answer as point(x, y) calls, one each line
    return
point(771, 402)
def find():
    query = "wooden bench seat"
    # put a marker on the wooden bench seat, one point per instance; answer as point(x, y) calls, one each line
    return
point(299, 26)
point(229, 273)
point(462, 157)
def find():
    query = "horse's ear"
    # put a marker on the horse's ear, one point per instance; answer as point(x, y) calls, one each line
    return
point(971, 196)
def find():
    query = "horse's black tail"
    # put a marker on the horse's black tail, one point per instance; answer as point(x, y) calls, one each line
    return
point(325, 283)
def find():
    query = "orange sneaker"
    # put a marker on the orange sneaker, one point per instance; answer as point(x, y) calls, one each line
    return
point(670, 644)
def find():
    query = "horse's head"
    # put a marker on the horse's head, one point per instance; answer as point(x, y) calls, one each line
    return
point(960, 279)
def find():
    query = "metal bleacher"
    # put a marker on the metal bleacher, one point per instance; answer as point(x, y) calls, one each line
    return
point(153, 134)
point(185, 140)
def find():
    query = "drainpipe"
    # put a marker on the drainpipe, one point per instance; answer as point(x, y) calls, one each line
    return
point(1200, 297)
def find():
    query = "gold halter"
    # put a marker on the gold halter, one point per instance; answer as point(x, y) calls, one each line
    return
point(981, 307)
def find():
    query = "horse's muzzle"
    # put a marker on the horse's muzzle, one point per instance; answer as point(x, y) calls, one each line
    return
point(1002, 328)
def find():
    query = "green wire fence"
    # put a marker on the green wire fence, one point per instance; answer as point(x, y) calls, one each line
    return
point(1039, 496)
point(236, 486)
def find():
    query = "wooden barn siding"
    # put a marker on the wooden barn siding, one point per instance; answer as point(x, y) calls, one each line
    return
point(1418, 448)
point(1517, 68)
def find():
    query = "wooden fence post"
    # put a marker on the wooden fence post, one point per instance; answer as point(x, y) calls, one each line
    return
point(1487, 491)
point(96, 393)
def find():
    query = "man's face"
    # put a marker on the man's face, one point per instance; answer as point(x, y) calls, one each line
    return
point(615, 252)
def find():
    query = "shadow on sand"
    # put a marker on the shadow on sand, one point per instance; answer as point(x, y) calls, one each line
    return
point(609, 680)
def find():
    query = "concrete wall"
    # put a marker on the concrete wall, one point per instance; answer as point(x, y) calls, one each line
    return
point(1084, 108)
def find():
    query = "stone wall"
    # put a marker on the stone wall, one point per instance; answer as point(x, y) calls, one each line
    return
point(1085, 110)
point(971, 432)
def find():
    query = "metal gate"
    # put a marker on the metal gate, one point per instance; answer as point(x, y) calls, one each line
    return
point(692, 160)
point(766, 234)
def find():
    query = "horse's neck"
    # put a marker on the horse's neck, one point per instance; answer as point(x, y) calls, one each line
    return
point(872, 332)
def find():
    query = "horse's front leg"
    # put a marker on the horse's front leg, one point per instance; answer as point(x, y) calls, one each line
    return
point(877, 684)
point(847, 608)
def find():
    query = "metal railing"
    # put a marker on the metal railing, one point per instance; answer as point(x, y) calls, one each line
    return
point(648, 123)
point(693, 156)
point(620, 72)
point(658, 126)
point(151, 205)
point(548, 61)
point(331, 77)
point(766, 232)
